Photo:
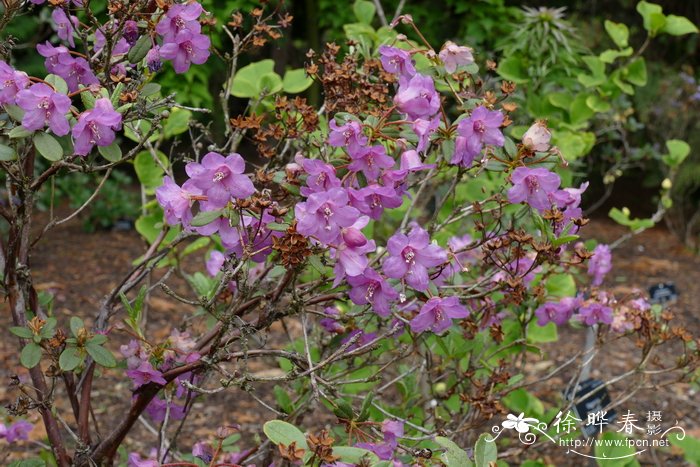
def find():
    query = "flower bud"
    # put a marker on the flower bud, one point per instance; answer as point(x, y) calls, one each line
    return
point(666, 184)
point(353, 237)
point(537, 137)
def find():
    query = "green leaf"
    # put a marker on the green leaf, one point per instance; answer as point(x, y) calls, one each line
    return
point(58, 83)
point(24, 333)
point(513, 69)
point(150, 173)
point(560, 285)
point(652, 16)
point(76, 324)
point(678, 150)
point(177, 122)
point(30, 355)
point(618, 32)
point(454, 456)
point(678, 26)
point(140, 49)
point(689, 445)
point(283, 400)
point(138, 129)
point(7, 153)
point(296, 81)
point(15, 112)
point(637, 72)
point(579, 111)
point(610, 56)
point(150, 89)
point(88, 99)
point(613, 451)
point(270, 83)
point(280, 432)
point(98, 339)
point(277, 227)
point(47, 330)
point(112, 153)
point(597, 104)
point(353, 455)
point(485, 451)
point(19, 132)
point(597, 76)
point(101, 355)
point(537, 334)
point(246, 82)
point(70, 358)
point(366, 405)
point(47, 146)
point(29, 463)
point(364, 11)
point(206, 217)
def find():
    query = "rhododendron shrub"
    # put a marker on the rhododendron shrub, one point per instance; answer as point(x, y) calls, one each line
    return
point(422, 253)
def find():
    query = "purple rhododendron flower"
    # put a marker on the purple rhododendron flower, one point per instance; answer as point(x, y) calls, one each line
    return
point(396, 61)
point(144, 374)
point(410, 257)
point(364, 339)
point(437, 314)
point(348, 136)
point(453, 55)
point(131, 31)
point(96, 126)
point(423, 128)
point(120, 48)
point(74, 70)
point(180, 17)
point(203, 451)
point(332, 324)
point(135, 460)
point(186, 48)
point(460, 259)
point(215, 262)
point(372, 199)
point(321, 176)
point(65, 25)
point(18, 431)
point(56, 57)
point(557, 313)
point(351, 254)
point(371, 288)
point(520, 267)
point(157, 408)
point(220, 179)
point(230, 237)
point(482, 127)
point(324, 214)
point(418, 98)
point(153, 61)
point(593, 313)
point(533, 186)
point(44, 107)
point(12, 81)
point(371, 161)
point(600, 264)
point(176, 201)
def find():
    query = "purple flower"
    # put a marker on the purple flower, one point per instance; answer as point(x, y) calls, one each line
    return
point(74, 70)
point(324, 214)
point(321, 176)
point(351, 254)
point(186, 48)
point(96, 127)
point(157, 408)
point(332, 324)
point(371, 161)
point(18, 431)
point(120, 48)
point(453, 55)
point(180, 17)
point(423, 128)
point(65, 25)
point(518, 268)
point(557, 313)
point(600, 263)
point(460, 258)
point(43, 106)
point(418, 98)
point(215, 262)
point(593, 313)
point(396, 61)
point(203, 451)
point(568, 201)
point(371, 200)
point(221, 179)
point(144, 374)
point(410, 257)
point(12, 81)
point(131, 31)
point(371, 288)
point(348, 136)
point(135, 460)
point(533, 186)
point(153, 59)
point(437, 314)
point(175, 201)
point(482, 127)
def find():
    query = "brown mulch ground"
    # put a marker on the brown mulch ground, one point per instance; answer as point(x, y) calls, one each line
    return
point(79, 268)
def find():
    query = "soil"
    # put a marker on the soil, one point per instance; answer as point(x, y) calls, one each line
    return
point(80, 268)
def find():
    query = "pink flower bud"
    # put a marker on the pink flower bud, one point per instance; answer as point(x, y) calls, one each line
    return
point(537, 137)
point(353, 237)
